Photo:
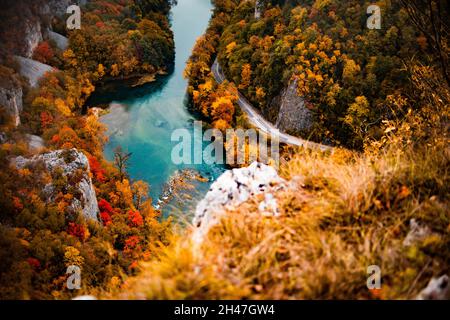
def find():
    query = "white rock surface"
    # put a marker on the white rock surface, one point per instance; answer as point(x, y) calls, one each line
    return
point(35, 143)
point(32, 70)
point(70, 161)
point(437, 289)
point(232, 189)
point(61, 42)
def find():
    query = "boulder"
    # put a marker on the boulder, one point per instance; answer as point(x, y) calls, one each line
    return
point(293, 115)
point(233, 188)
point(61, 42)
point(72, 162)
point(32, 70)
point(33, 36)
point(437, 289)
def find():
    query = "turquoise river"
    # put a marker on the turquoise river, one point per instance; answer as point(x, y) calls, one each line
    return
point(141, 120)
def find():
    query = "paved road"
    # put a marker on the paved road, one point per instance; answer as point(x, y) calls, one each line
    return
point(256, 119)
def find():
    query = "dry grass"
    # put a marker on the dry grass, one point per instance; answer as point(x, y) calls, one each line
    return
point(343, 213)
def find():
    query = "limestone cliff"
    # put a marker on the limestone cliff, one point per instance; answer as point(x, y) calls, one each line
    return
point(74, 166)
point(290, 113)
point(11, 94)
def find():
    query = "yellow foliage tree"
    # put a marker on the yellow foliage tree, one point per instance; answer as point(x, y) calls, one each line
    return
point(245, 76)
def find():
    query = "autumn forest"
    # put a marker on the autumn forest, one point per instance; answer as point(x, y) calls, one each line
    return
point(374, 98)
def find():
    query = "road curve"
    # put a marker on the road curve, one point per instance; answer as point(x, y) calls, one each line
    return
point(256, 119)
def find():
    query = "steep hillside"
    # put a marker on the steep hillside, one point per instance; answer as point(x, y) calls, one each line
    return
point(313, 231)
point(345, 74)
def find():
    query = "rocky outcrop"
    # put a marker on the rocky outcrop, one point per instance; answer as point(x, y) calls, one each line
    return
point(25, 23)
point(179, 181)
point(32, 70)
point(35, 28)
point(33, 36)
point(35, 143)
point(75, 168)
point(437, 289)
point(232, 189)
point(61, 42)
point(58, 8)
point(293, 115)
point(11, 97)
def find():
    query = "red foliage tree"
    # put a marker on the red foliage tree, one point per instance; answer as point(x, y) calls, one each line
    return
point(96, 169)
point(135, 218)
point(106, 218)
point(77, 230)
point(133, 266)
point(34, 263)
point(46, 119)
point(18, 205)
point(55, 139)
point(43, 52)
point(132, 245)
point(105, 206)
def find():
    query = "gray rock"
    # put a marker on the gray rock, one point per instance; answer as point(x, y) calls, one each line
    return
point(32, 70)
point(58, 8)
point(11, 97)
point(33, 36)
point(293, 115)
point(437, 289)
point(35, 18)
point(35, 143)
point(233, 188)
point(61, 42)
point(71, 162)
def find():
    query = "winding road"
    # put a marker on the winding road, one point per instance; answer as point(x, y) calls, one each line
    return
point(256, 119)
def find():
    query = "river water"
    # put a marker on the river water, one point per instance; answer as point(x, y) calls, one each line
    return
point(142, 120)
